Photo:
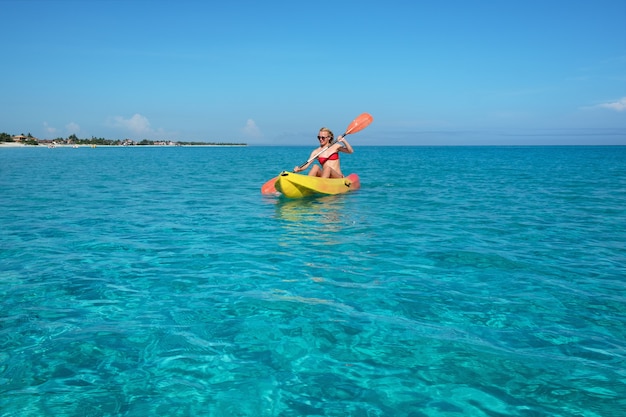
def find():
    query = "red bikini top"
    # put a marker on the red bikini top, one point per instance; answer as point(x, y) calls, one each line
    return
point(332, 157)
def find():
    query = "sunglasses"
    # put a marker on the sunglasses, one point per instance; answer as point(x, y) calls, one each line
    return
point(322, 137)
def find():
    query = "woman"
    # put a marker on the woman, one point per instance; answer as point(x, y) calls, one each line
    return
point(327, 155)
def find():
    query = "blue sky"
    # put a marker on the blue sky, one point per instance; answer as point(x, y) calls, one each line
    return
point(273, 72)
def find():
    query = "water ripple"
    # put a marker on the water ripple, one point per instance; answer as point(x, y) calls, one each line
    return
point(457, 281)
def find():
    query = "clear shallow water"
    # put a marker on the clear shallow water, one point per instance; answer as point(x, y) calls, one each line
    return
point(456, 282)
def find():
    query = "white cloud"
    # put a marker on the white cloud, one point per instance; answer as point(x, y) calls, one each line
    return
point(251, 130)
point(139, 127)
point(137, 124)
point(49, 129)
point(72, 128)
point(619, 105)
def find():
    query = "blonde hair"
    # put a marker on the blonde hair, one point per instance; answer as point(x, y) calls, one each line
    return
point(330, 132)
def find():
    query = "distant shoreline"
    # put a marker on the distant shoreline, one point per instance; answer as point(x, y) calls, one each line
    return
point(21, 145)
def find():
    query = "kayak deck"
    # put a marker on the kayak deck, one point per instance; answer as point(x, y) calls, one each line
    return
point(297, 185)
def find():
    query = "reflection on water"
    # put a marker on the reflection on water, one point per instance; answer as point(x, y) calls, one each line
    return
point(312, 221)
point(326, 210)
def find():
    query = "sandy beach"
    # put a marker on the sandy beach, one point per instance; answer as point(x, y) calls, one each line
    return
point(14, 145)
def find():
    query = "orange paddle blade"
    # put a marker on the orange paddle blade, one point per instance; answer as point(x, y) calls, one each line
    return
point(360, 123)
point(269, 188)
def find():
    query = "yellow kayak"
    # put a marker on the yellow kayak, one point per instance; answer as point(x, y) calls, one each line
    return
point(298, 185)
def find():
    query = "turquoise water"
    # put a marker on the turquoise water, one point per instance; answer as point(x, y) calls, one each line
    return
point(485, 281)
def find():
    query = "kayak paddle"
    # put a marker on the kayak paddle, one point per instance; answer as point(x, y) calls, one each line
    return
point(358, 124)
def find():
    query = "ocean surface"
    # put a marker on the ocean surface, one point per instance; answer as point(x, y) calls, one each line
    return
point(458, 281)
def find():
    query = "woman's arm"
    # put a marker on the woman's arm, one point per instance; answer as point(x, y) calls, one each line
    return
point(347, 148)
point(298, 169)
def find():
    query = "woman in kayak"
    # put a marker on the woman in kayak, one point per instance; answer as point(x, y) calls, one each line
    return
point(327, 155)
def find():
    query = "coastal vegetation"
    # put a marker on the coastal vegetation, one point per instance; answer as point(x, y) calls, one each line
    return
point(74, 140)
point(25, 139)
